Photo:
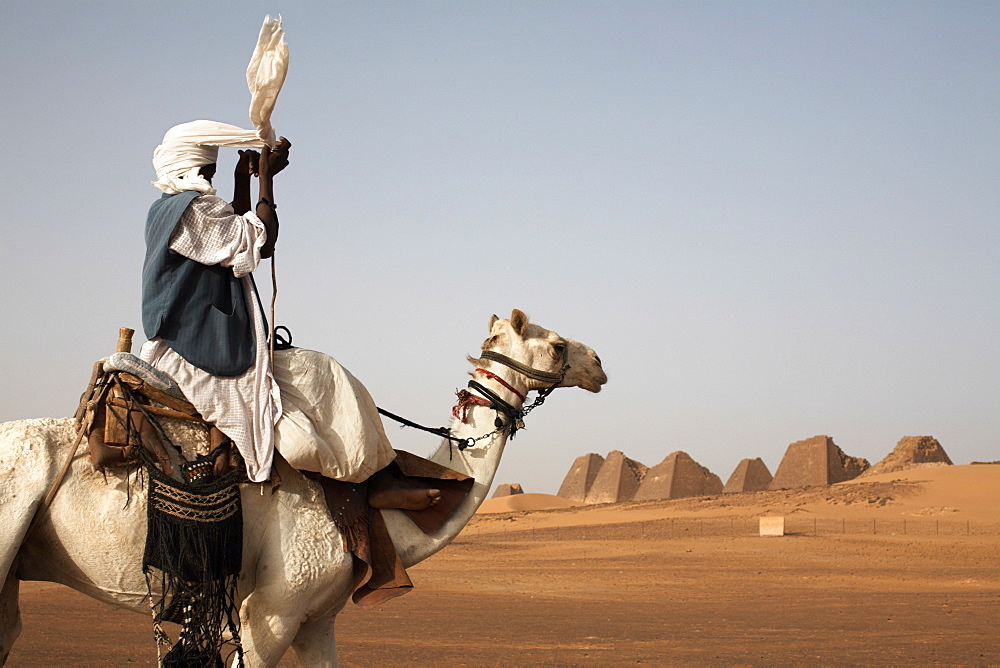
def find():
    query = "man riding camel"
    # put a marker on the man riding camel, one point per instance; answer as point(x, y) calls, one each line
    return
point(207, 330)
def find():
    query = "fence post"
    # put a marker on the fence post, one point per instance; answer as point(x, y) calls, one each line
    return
point(873, 527)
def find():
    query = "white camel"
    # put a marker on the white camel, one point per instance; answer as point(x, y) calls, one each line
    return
point(296, 576)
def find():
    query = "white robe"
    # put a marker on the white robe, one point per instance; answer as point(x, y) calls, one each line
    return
point(318, 415)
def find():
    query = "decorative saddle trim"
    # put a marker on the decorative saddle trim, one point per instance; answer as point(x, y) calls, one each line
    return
point(152, 377)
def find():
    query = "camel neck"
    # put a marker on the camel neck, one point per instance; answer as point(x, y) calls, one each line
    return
point(479, 462)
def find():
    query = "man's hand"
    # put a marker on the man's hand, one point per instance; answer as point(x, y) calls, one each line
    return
point(247, 164)
point(274, 160)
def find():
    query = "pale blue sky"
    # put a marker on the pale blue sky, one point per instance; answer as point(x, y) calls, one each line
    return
point(771, 219)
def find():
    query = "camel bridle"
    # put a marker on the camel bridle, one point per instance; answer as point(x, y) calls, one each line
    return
point(514, 416)
point(524, 369)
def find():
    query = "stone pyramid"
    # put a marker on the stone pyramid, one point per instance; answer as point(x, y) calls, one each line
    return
point(617, 480)
point(751, 475)
point(676, 477)
point(912, 452)
point(507, 489)
point(816, 462)
point(581, 477)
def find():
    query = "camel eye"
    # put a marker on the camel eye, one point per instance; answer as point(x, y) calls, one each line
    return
point(558, 348)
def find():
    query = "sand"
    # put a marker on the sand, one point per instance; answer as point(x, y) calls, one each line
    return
point(528, 501)
point(901, 568)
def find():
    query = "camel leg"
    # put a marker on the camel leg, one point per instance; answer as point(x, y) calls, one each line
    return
point(265, 636)
point(316, 644)
point(10, 616)
point(15, 526)
point(16, 518)
point(17, 511)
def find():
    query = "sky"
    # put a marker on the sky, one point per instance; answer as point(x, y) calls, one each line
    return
point(771, 220)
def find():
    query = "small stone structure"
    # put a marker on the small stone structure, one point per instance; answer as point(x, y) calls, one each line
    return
point(751, 475)
point(816, 462)
point(677, 477)
point(912, 452)
point(581, 477)
point(772, 526)
point(617, 481)
point(507, 489)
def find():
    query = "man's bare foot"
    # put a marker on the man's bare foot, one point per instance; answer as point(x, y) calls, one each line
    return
point(387, 491)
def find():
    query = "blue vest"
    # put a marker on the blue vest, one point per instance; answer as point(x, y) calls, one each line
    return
point(198, 310)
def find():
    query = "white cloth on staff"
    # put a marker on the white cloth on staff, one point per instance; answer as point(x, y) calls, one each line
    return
point(266, 75)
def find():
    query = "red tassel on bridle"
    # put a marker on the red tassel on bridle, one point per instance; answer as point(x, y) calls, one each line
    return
point(466, 399)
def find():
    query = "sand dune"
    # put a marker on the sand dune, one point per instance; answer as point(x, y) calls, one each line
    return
point(528, 501)
point(970, 492)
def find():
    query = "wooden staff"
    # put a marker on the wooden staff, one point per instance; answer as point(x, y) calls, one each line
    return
point(274, 297)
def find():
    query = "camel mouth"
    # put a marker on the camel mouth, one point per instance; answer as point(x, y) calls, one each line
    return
point(594, 384)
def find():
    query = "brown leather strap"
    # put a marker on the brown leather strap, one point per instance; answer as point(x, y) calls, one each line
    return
point(168, 400)
point(156, 410)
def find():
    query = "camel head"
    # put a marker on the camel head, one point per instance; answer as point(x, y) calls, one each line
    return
point(546, 351)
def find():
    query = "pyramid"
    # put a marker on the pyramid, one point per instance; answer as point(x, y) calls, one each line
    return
point(676, 477)
point(751, 475)
point(581, 477)
point(507, 489)
point(816, 462)
point(912, 452)
point(617, 480)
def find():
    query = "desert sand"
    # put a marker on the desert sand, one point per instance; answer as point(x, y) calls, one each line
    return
point(897, 568)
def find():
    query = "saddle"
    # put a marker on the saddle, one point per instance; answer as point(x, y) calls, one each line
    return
point(124, 393)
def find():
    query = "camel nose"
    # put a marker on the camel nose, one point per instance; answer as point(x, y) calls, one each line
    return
point(601, 377)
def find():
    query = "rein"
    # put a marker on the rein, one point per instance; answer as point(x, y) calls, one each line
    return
point(443, 432)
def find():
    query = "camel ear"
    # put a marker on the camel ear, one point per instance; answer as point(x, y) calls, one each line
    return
point(493, 321)
point(519, 321)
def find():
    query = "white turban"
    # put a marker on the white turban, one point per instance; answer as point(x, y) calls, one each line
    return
point(188, 147)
